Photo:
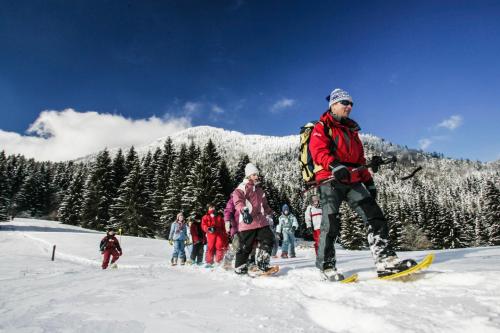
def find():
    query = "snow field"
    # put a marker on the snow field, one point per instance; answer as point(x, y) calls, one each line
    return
point(459, 293)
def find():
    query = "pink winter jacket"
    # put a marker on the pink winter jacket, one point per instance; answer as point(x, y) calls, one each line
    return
point(231, 215)
point(247, 194)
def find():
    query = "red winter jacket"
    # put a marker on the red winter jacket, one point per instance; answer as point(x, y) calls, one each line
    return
point(110, 243)
point(215, 221)
point(343, 146)
point(197, 233)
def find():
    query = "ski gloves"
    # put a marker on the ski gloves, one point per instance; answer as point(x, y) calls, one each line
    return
point(171, 242)
point(247, 218)
point(340, 172)
point(370, 186)
point(375, 163)
point(211, 230)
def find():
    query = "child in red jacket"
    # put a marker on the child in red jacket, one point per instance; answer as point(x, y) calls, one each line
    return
point(213, 226)
point(110, 247)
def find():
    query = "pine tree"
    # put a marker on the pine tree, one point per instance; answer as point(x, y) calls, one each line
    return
point(4, 188)
point(225, 179)
point(98, 193)
point(491, 209)
point(129, 211)
point(163, 173)
point(172, 204)
point(239, 174)
point(119, 171)
point(188, 191)
point(481, 232)
point(207, 187)
point(130, 160)
point(148, 168)
point(395, 225)
point(70, 211)
point(30, 196)
point(352, 233)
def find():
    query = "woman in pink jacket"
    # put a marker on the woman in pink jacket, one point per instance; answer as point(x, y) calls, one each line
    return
point(251, 203)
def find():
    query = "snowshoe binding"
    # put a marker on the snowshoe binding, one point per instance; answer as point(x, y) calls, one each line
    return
point(392, 265)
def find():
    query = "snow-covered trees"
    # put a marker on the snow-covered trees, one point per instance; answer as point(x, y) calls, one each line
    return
point(70, 211)
point(130, 211)
point(491, 210)
point(450, 203)
point(4, 188)
point(98, 193)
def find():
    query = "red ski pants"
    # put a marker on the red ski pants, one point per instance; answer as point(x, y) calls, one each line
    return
point(216, 244)
point(316, 234)
point(109, 253)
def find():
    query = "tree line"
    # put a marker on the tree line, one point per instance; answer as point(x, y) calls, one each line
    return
point(142, 196)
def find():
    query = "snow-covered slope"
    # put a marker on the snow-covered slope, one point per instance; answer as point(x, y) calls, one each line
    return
point(459, 293)
point(277, 156)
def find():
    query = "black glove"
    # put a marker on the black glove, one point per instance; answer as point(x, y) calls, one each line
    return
point(375, 163)
point(370, 186)
point(211, 230)
point(294, 228)
point(279, 235)
point(247, 217)
point(309, 230)
point(340, 172)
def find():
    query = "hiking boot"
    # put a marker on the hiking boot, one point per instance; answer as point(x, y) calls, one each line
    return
point(331, 274)
point(284, 255)
point(241, 270)
point(189, 262)
point(292, 256)
point(183, 261)
point(392, 264)
point(173, 261)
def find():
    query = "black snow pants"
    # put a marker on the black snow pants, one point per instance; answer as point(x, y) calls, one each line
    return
point(197, 253)
point(264, 236)
point(359, 199)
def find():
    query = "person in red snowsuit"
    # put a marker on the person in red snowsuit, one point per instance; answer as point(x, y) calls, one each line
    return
point(110, 247)
point(214, 228)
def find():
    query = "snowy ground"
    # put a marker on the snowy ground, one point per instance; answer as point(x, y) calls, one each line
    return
point(459, 293)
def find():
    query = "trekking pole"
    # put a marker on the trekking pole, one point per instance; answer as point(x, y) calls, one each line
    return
point(53, 252)
point(374, 163)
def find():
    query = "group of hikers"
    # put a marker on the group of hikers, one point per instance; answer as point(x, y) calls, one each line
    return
point(340, 174)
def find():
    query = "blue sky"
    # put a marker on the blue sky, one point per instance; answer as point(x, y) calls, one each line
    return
point(422, 73)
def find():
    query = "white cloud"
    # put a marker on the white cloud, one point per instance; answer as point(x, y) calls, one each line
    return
point(191, 108)
point(282, 104)
point(217, 109)
point(451, 123)
point(424, 143)
point(68, 134)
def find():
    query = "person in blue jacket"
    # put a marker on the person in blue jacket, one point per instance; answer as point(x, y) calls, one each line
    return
point(177, 238)
point(286, 230)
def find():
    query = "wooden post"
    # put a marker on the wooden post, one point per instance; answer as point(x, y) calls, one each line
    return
point(53, 252)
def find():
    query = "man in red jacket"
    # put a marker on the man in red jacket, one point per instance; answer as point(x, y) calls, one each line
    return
point(215, 230)
point(110, 247)
point(337, 152)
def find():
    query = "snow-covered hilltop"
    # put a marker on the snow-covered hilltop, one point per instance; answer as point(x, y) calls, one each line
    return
point(278, 156)
point(460, 292)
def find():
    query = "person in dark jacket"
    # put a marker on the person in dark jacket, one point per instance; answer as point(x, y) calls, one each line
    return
point(110, 247)
point(338, 155)
point(199, 240)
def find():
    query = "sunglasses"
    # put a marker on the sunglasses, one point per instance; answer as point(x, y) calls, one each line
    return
point(346, 103)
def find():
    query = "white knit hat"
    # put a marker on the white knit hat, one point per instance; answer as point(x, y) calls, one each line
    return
point(250, 169)
point(338, 95)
